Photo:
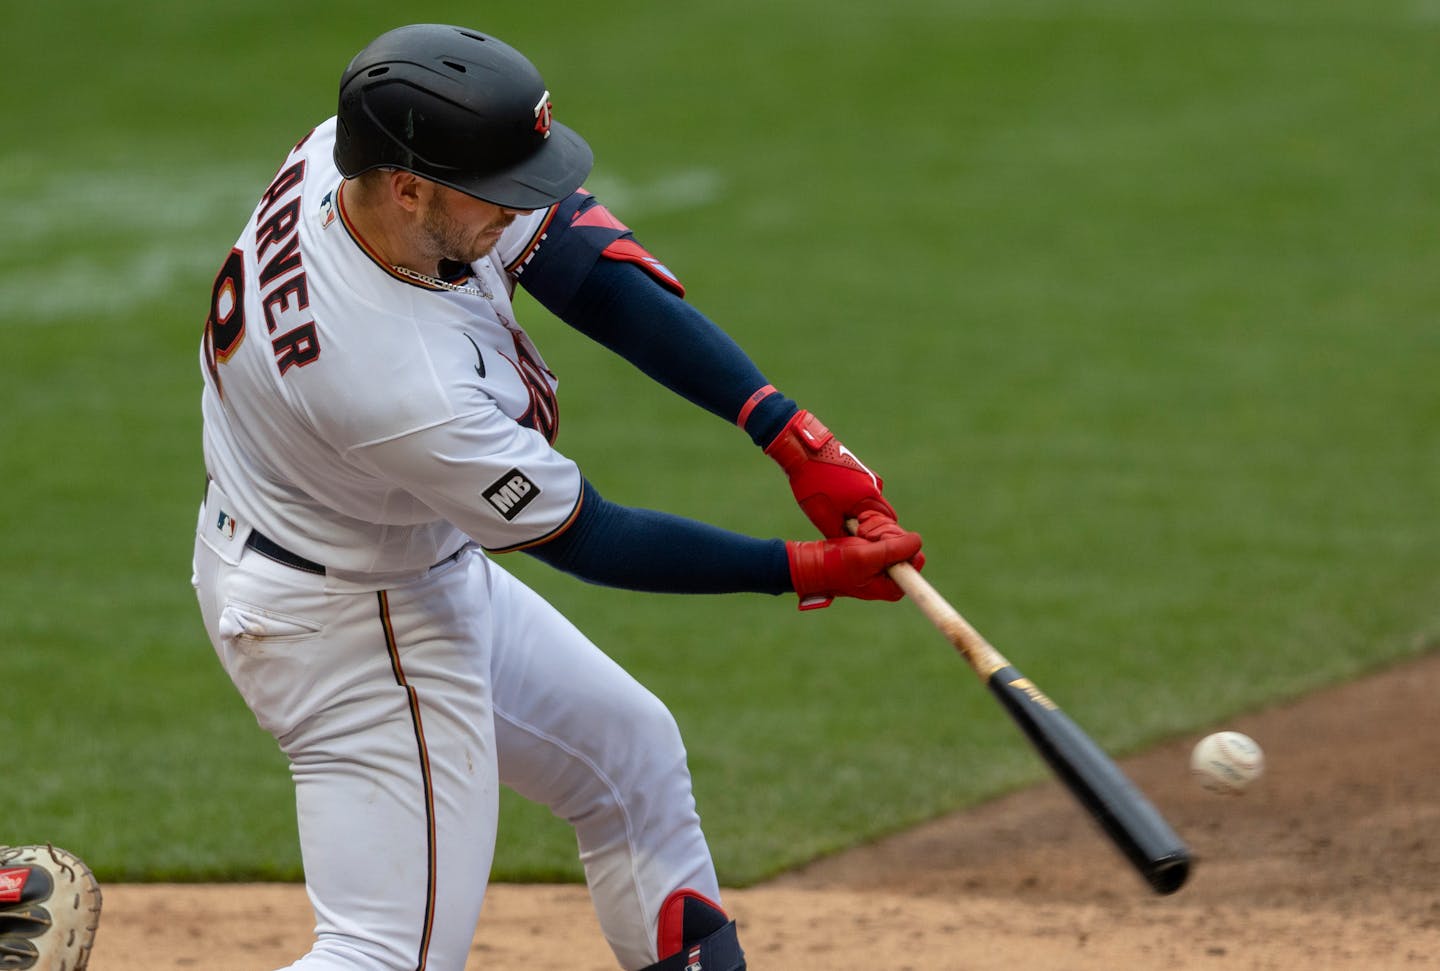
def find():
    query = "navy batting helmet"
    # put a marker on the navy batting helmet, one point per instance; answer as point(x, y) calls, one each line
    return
point(462, 109)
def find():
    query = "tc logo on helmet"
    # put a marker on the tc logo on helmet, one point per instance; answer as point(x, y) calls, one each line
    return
point(543, 110)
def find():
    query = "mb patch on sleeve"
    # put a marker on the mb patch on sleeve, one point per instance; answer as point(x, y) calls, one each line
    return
point(511, 493)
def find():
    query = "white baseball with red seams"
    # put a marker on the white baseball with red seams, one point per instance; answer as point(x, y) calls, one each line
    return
point(1226, 763)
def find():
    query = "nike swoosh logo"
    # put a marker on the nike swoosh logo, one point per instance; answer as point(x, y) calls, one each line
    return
point(479, 358)
point(856, 459)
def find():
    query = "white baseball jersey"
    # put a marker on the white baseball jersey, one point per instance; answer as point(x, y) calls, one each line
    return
point(366, 420)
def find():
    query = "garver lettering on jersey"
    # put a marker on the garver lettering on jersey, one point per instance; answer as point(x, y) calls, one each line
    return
point(285, 304)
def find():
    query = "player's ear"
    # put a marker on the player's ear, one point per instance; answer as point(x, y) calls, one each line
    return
point(407, 190)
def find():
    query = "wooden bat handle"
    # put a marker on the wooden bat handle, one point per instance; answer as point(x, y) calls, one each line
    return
point(976, 650)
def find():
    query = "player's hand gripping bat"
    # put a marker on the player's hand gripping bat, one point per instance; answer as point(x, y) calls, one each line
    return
point(1126, 816)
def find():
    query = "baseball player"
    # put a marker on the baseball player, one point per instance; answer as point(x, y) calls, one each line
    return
point(377, 424)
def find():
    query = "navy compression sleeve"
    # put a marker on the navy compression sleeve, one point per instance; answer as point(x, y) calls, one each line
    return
point(642, 549)
point(625, 309)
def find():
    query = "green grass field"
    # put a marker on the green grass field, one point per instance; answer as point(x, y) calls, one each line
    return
point(1132, 302)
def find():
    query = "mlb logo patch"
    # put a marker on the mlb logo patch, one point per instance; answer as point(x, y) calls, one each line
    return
point(327, 210)
point(511, 493)
point(225, 523)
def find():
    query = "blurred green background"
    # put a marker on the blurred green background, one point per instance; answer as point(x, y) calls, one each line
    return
point(1132, 302)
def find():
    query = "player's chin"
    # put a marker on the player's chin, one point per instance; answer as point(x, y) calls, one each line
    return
point(482, 247)
point(472, 254)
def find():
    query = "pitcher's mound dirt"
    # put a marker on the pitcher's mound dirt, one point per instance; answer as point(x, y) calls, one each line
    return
point(1332, 862)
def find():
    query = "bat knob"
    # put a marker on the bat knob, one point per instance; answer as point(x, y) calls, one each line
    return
point(1168, 874)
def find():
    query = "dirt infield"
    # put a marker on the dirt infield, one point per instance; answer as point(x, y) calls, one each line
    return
point(1333, 862)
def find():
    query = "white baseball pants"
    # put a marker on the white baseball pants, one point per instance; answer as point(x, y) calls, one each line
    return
point(403, 710)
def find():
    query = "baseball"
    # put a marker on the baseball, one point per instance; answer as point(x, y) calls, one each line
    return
point(1227, 762)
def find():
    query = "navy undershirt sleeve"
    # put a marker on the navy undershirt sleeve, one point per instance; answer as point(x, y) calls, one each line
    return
point(642, 549)
point(625, 309)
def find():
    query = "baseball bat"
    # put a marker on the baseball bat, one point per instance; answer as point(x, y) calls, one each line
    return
point(1132, 823)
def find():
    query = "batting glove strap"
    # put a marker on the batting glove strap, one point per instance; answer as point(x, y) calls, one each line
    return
point(828, 481)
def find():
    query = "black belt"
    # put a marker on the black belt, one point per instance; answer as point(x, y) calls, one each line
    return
point(266, 546)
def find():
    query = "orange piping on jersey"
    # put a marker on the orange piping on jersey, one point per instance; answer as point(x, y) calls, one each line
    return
point(424, 752)
point(569, 520)
point(370, 251)
point(529, 249)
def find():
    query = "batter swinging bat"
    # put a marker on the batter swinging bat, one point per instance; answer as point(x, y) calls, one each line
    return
point(1126, 816)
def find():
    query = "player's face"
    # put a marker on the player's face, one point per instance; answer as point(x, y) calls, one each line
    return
point(463, 228)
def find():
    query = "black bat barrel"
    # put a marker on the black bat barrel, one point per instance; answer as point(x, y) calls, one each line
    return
point(1126, 816)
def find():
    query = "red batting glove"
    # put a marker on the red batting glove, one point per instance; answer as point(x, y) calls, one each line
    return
point(853, 566)
point(829, 482)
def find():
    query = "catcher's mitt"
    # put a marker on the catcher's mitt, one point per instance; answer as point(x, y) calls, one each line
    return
point(49, 909)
